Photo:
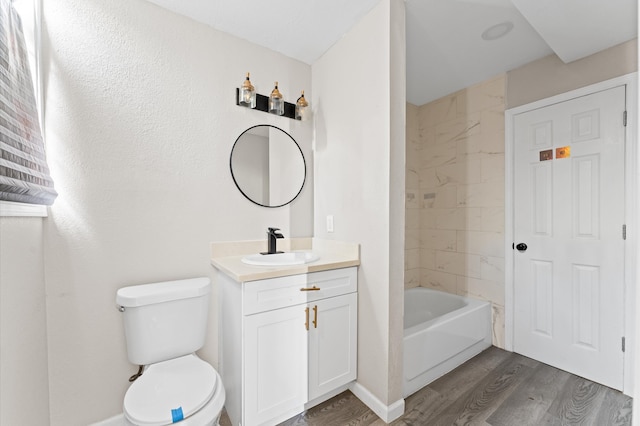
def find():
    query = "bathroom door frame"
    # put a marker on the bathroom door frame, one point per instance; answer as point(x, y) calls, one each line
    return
point(632, 198)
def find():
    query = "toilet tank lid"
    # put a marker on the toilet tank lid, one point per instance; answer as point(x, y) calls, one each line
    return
point(147, 294)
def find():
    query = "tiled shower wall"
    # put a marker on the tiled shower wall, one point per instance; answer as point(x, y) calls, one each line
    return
point(455, 196)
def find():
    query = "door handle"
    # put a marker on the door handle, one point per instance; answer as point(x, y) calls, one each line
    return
point(521, 247)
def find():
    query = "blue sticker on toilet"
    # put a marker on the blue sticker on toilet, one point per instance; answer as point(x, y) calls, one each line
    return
point(176, 414)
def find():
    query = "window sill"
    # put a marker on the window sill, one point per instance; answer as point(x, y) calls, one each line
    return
point(11, 209)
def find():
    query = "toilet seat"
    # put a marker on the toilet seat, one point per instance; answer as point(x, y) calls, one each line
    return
point(170, 391)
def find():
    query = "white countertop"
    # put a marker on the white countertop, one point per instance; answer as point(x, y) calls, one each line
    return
point(227, 257)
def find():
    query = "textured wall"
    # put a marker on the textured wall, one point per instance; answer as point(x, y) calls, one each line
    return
point(455, 196)
point(140, 120)
point(24, 385)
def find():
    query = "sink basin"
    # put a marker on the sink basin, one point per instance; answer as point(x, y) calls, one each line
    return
point(281, 259)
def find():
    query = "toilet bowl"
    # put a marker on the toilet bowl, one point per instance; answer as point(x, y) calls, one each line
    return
point(165, 323)
point(186, 390)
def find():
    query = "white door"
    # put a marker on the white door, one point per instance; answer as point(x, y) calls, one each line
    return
point(569, 212)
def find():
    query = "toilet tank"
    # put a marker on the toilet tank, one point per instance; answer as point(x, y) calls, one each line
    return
point(164, 320)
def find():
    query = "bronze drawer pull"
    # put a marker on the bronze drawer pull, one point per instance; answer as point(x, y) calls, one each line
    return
point(314, 288)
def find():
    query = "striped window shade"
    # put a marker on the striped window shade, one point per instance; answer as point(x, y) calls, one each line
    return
point(24, 174)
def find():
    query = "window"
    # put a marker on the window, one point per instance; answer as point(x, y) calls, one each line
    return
point(24, 173)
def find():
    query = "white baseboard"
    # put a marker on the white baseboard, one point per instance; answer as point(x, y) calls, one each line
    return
point(387, 413)
point(117, 420)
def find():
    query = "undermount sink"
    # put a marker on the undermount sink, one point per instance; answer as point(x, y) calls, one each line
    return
point(281, 259)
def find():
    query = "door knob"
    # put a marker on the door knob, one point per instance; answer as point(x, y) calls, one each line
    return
point(521, 247)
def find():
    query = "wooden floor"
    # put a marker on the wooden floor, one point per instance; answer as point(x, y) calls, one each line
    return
point(496, 388)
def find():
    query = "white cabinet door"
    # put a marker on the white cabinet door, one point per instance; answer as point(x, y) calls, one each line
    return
point(275, 364)
point(332, 343)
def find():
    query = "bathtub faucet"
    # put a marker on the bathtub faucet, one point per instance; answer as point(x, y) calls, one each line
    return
point(272, 236)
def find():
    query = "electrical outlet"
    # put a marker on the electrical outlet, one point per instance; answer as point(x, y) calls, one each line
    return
point(330, 223)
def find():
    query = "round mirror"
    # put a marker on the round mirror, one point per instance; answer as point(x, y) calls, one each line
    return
point(268, 166)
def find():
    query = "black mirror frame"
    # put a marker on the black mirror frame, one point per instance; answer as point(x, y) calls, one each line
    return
point(304, 164)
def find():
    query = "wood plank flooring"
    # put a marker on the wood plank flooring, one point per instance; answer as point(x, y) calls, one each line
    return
point(496, 388)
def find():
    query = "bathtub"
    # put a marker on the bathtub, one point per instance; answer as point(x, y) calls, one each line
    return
point(441, 331)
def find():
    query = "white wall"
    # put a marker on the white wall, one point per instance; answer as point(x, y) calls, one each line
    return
point(140, 121)
point(359, 175)
point(24, 384)
point(550, 76)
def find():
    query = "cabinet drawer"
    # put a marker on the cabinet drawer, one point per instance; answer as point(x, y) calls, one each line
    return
point(274, 293)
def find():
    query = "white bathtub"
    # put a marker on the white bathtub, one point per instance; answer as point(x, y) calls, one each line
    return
point(441, 331)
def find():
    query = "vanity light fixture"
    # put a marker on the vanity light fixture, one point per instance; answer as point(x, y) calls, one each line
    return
point(302, 108)
point(276, 102)
point(247, 95)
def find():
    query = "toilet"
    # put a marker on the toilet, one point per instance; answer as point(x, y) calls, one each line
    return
point(164, 324)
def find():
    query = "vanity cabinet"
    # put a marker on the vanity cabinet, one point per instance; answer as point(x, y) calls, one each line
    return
point(287, 343)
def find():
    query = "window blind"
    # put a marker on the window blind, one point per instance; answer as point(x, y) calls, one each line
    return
point(24, 173)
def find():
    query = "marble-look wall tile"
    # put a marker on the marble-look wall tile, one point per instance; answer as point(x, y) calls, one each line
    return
point(473, 144)
point(412, 259)
point(438, 239)
point(490, 291)
point(412, 278)
point(455, 168)
point(492, 219)
point(492, 120)
point(412, 219)
point(428, 178)
point(444, 197)
point(412, 240)
point(460, 172)
point(497, 320)
point(481, 243)
point(443, 109)
point(412, 199)
point(492, 168)
point(471, 265)
point(492, 142)
point(457, 130)
point(492, 269)
point(459, 219)
point(437, 155)
point(427, 218)
point(448, 261)
point(486, 95)
point(438, 280)
point(428, 258)
point(412, 177)
point(487, 194)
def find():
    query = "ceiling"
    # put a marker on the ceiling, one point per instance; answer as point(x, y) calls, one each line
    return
point(445, 48)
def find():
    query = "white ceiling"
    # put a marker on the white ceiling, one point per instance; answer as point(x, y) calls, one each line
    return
point(445, 50)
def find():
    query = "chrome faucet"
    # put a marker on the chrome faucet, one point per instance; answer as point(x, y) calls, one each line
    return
point(272, 236)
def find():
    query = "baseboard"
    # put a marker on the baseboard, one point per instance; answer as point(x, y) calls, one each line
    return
point(116, 420)
point(387, 413)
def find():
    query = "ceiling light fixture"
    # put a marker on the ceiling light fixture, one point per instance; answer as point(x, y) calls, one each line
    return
point(497, 31)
